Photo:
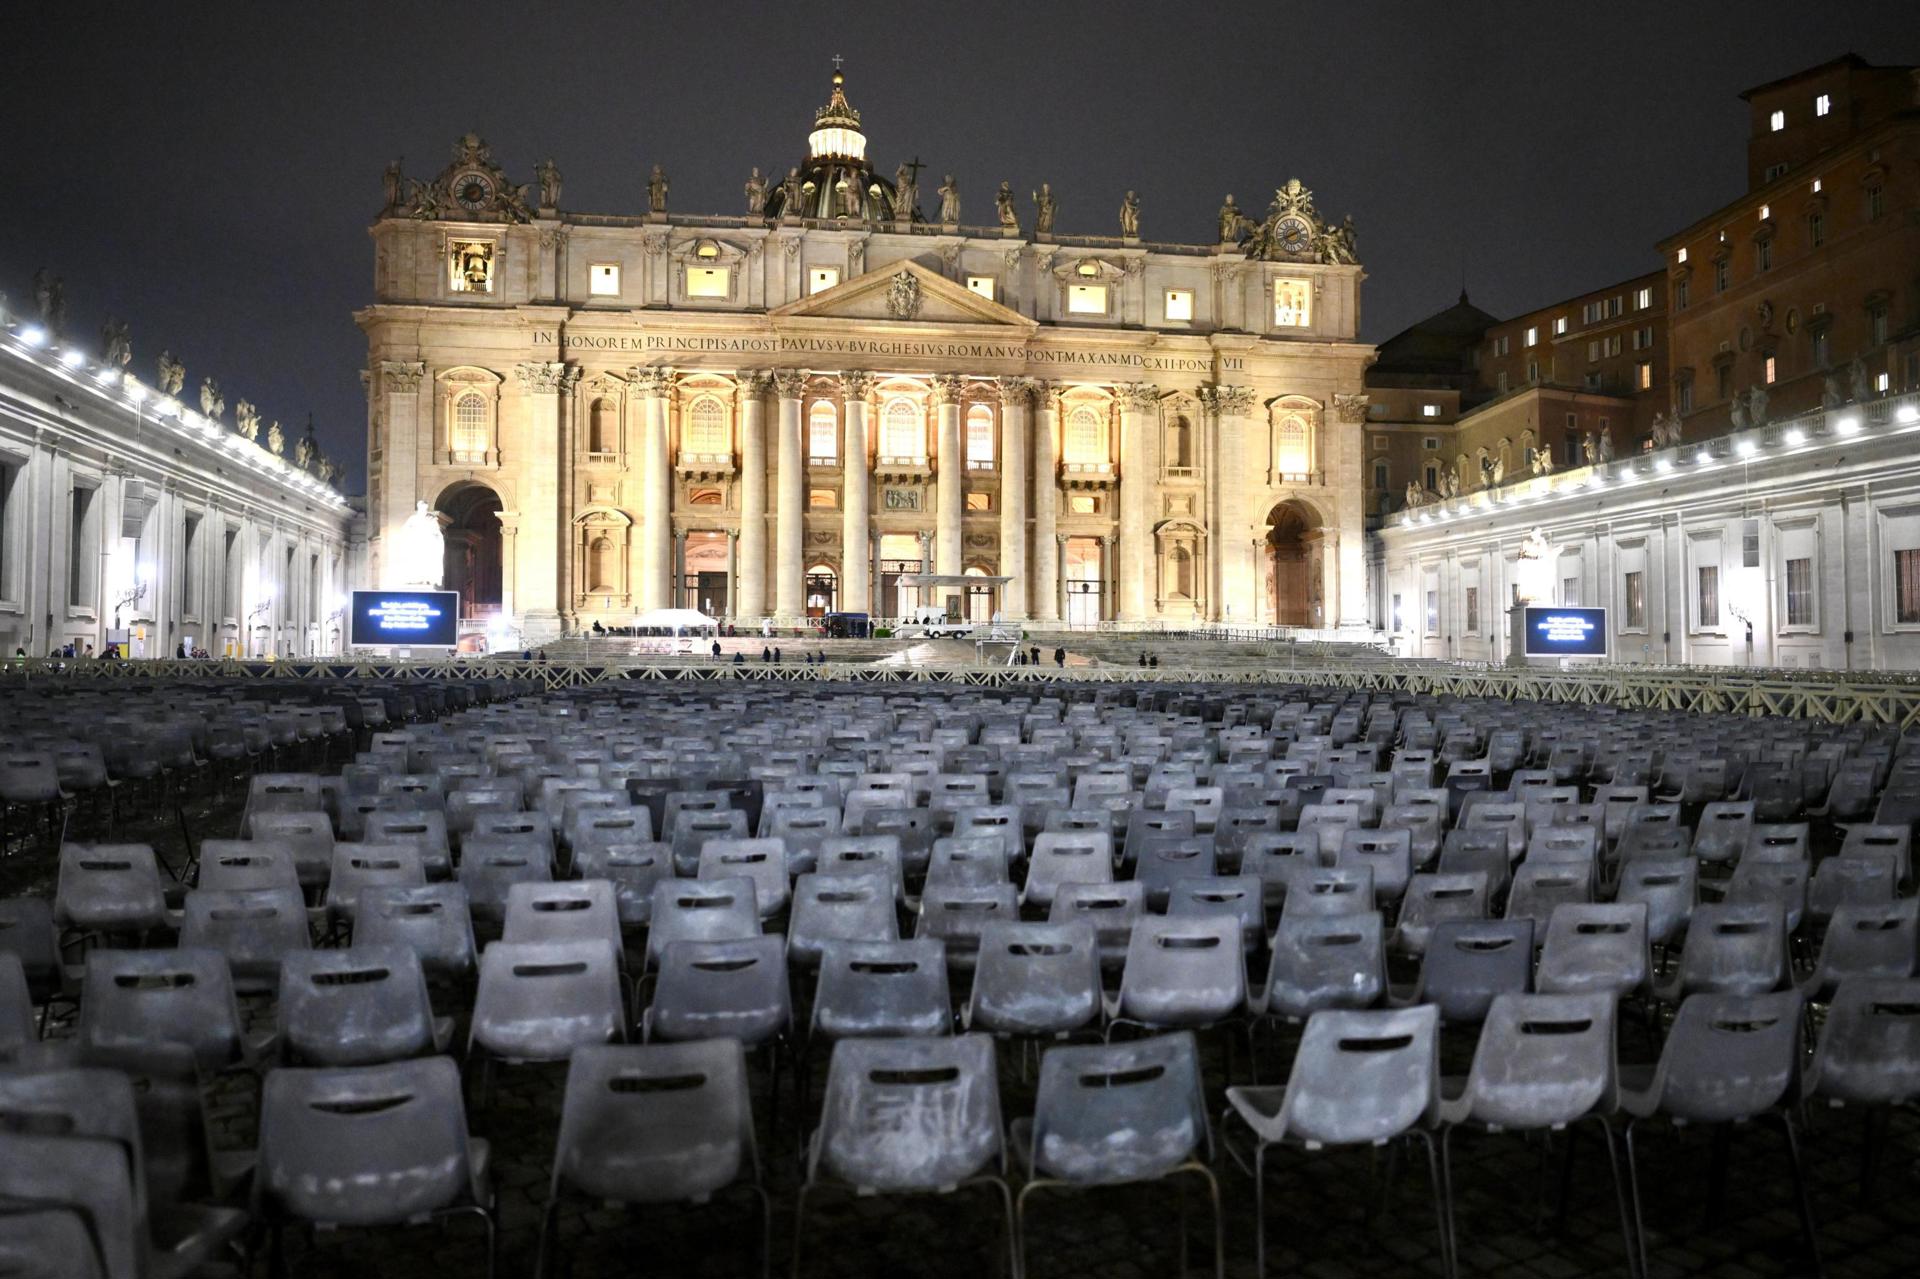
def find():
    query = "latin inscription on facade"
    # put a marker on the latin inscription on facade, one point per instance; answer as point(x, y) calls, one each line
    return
point(781, 346)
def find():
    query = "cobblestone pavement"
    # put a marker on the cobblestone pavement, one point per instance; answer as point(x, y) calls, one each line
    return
point(1318, 1205)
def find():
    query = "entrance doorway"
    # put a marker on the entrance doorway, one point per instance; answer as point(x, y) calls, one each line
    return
point(471, 564)
point(899, 554)
point(1086, 582)
point(821, 583)
point(704, 585)
point(1290, 564)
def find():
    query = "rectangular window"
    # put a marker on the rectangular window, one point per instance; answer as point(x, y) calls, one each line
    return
point(1680, 256)
point(1777, 121)
point(1429, 410)
point(1433, 612)
point(1906, 586)
point(1570, 592)
point(1720, 275)
point(1396, 615)
point(1473, 610)
point(1820, 351)
point(1707, 602)
point(1593, 351)
point(1643, 298)
point(1772, 370)
point(1379, 444)
point(1877, 324)
point(1643, 376)
point(603, 280)
point(1766, 212)
point(979, 429)
point(1822, 103)
point(1683, 394)
point(1800, 592)
point(1876, 202)
point(1292, 304)
point(1533, 370)
point(1750, 544)
point(1880, 381)
point(822, 499)
point(707, 281)
point(822, 278)
point(1503, 344)
point(1816, 229)
point(1533, 336)
point(979, 501)
point(1635, 599)
point(1763, 256)
point(1087, 299)
point(981, 284)
point(470, 266)
point(1501, 382)
point(83, 549)
point(1559, 325)
point(1430, 442)
point(1179, 304)
point(1083, 504)
point(1681, 295)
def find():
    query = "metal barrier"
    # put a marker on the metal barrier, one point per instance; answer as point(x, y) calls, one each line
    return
point(1832, 701)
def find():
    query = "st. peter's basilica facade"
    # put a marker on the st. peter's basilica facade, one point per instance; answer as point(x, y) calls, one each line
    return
point(789, 411)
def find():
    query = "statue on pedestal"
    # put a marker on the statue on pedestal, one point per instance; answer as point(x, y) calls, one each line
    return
point(276, 438)
point(1130, 217)
point(949, 201)
point(1003, 201)
point(1606, 443)
point(173, 374)
point(1862, 385)
point(1044, 207)
point(1832, 396)
point(212, 403)
point(1415, 494)
point(906, 194)
point(1757, 406)
point(390, 184)
point(246, 419)
point(1737, 411)
point(547, 173)
point(756, 190)
point(419, 553)
point(116, 347)
point(657, 191)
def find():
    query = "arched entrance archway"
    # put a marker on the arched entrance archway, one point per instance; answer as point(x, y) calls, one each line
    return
point(1293, 588)
point(472, 537)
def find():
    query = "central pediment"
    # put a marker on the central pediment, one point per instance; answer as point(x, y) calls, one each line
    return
point(908, 293)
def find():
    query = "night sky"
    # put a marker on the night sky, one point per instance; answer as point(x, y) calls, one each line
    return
point(208, 171)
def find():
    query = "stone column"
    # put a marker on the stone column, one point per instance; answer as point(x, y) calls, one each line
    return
point(1230, 588)
point(733, 570)
point(1138, 400)
point(1046, 494)
point(1016, 394)
point(538, 569)
point(401, 444)
point(656, 488)
point(856, 582)
point(790, 484)
point(509, 565)
point(948, 502)
point(677, 597)
point(1110, 576)
point(1351, 410)
point(751, 586)
point(1059, 562)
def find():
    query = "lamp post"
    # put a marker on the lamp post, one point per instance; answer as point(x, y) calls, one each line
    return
point(134, 596)
point(258, 611)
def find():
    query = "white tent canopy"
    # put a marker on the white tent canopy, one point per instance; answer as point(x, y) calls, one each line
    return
point(669, 618)
point(950, 579)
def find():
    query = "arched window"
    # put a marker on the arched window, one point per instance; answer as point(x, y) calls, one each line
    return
point(470, 423)
point(1180, 561)
point(823, 432)
point(1085, 438)
point(1292, 446)
point(980, 436)
point(603, 427)
point(1180, 444)
point(600, 566)
point(706, 429)
point(903, 432)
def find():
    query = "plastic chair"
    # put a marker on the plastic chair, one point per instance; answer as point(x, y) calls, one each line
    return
point(1237, 895)
point(357, 1007)
point(1118, 1114)
point(956, 913)
point(18, 1027)
point(1333, 961)
point(1387, 853)
point(239, 864)
point(1433, 897)
point(109, 888)
point(1731, 949)
point(1062, 857)
point(358, 868)
point(721, 990)
point(1360, 1078)
point(1470, 962)
point(1783, 884)
point(1667, 887)
point(1868, 1053)
point(577, 910)
point(80, 1179)
point(1112, 909)
point(50, 1243)
point(655, 1124)
point(1595, 948)
point(369, 1146)
point(700, 910)
point(1851, 879)
point(1867, 942)
point(429, 919)
point(253, 928)
point(1539, 888)
point(949, 1088)
point(874, 988)
point(1035, 979)
point(538, 1001)
point(763, 861)
point(491, 864)
point(132, 1000)
point(1543, 1062)
point(1728, 1058)
point(1328, 890)
point(1723, 831)
point(1185, 973)
point(305, 837)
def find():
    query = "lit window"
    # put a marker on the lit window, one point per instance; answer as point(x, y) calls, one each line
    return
point(822, 499)
point(1772, 370)
point(706, 429)
point(1822, 103)
point(1800, 592)
point(1292, 304)
point(1643, 375)
point(1533, 336)
point(823, 434)
point(981, 284)
point(1179, 304)
point(903, 431)
point(1087, 299)
point(979, 438)
point(470, 424)
point(1906, 587)
point(1085, 438)
point(1707, 600)
point(1777, 121)
point(706, 249)
point(470, 266)
point(822, 278)
point(1766, 211)
point(1880, 383)
point(1429, 410)
point(1293, 447)
point(1816, 186)
point(1083, 504)
point(603, 280)
point(979, 501)
point(1680, 257)
point(1643, 298)
point(1636, 600)
point(1559, 325)
point(706, 282)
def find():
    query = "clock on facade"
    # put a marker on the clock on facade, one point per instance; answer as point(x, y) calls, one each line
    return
point(1294, 234)
point(472, 190)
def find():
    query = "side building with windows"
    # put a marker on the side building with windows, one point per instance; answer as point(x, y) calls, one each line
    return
point(129, 517)
point(816, 404)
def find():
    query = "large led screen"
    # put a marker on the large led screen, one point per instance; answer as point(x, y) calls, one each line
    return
point(1566, 632)
point(403, 619)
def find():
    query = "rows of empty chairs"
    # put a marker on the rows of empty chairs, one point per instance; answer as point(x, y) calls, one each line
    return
point(925, 894)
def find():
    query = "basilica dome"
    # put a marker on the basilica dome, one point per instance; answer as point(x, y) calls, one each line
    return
point(836, 180)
